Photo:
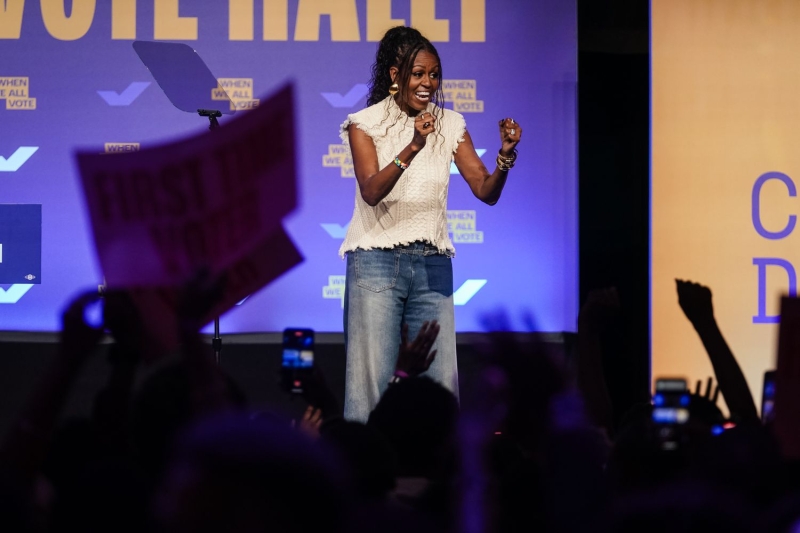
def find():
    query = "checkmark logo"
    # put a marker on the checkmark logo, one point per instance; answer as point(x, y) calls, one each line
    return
point(454, 168)
point(127, 96)
point(17, 159)
point(14, 293)
point(335, 230)
point(350, 99)
point(467, 290)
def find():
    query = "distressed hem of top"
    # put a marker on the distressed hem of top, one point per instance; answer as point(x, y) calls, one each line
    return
point(449, 252)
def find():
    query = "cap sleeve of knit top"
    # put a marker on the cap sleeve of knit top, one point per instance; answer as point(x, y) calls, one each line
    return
point(368, 120)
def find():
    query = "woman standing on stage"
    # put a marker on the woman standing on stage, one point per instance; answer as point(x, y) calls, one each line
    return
point(398, 251)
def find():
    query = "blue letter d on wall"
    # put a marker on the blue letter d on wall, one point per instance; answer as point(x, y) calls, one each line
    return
point(762, 263)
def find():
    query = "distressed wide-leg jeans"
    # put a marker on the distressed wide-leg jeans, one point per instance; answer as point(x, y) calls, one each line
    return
point(384, 289)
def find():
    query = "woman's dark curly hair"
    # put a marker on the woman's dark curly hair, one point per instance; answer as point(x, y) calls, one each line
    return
point(398, 48)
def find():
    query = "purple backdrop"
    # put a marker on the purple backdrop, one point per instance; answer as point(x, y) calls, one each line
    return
point(69, 83)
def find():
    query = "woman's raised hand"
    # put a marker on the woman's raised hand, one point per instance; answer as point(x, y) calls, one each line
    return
point(510, 135)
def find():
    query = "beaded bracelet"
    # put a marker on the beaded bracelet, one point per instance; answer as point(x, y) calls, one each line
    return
point(506, 163)
point(400, 164)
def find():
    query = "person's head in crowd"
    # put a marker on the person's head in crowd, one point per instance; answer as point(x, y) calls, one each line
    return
point(232, 473)
point(367, 454)
point(418, 417)
point(650, 451)
point(162, 406)
point(532, 378)
point(745, 458)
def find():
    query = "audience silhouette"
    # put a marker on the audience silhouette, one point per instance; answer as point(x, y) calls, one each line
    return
point(171, 444)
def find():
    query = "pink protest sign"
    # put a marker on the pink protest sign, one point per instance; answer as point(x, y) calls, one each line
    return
point(213, 201)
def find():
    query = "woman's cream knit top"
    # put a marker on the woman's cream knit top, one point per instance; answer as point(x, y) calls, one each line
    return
point(416, 208)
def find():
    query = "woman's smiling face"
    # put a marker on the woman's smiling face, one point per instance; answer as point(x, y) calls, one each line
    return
point(423, 82)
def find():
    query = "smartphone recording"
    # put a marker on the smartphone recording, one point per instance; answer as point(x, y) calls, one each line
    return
point(670, 411)
point(297, 359)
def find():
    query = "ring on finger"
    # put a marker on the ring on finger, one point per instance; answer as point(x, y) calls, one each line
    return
point(512, 131)
point(427, 124)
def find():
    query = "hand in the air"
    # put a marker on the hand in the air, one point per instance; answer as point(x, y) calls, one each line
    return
point(704, 405)
point(510, 135)
point(416, 357)
point(712, 392)
point(695, 300)
point(317, 393)
point(310, 423)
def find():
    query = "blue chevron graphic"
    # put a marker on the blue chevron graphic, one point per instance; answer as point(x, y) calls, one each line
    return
point(14, 293)
point(350, 99)
point(335, 230)
point(467, 290)
point(454, 168)
point(17, 159)
point(127, 96)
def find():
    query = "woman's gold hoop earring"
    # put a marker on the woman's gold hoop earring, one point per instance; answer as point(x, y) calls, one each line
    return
point(394, 89)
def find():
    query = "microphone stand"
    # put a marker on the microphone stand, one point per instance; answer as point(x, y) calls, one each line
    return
point(216, 340)
point(189, 84)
